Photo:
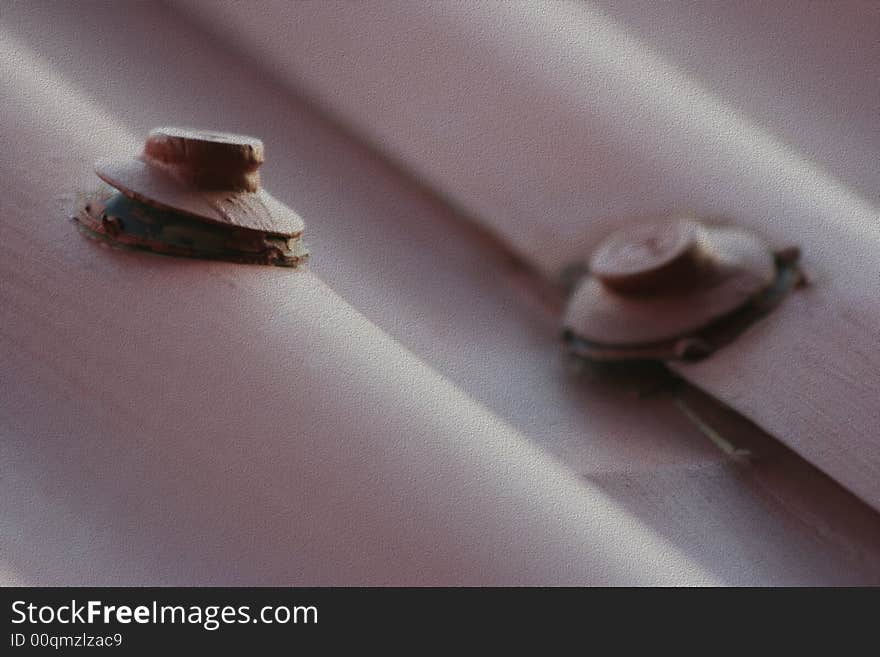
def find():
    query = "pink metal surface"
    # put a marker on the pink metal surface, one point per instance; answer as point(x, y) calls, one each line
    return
point(398, 414)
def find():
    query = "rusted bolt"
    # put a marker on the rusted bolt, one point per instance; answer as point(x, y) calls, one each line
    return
point(673, 289)
point(195, 193)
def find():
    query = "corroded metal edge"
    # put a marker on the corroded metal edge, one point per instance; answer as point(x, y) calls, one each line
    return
point(112, 217)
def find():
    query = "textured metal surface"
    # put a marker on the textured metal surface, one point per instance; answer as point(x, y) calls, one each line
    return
point(171, 421)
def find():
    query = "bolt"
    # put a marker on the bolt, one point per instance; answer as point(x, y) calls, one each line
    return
point(186, 176)
point(666, 290)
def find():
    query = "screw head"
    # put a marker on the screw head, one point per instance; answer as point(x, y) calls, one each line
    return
point(210, 160)
point(650, 258)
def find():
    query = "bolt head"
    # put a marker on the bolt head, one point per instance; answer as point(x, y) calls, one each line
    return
point(210, 160)
point(650, 258)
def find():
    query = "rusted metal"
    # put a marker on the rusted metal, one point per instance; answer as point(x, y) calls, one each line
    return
point(675, 290)
point(113, 217)
point(193, 194)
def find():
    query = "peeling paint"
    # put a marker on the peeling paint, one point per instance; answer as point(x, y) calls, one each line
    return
point(112, 217)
